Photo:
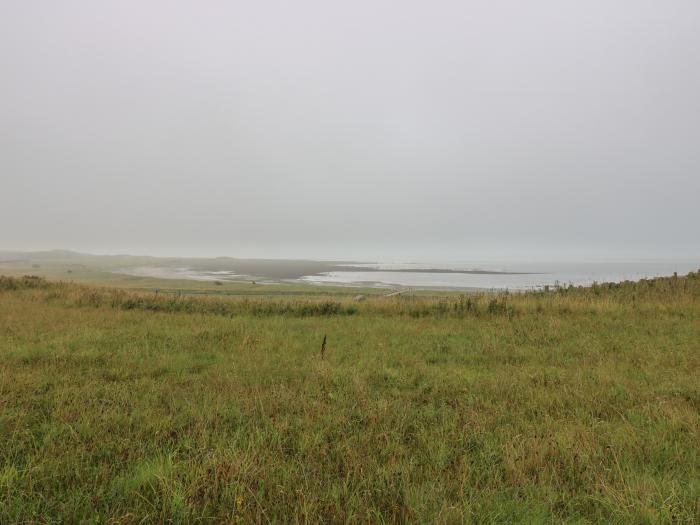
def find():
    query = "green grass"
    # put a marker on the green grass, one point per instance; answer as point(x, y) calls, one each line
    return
point(575, 406)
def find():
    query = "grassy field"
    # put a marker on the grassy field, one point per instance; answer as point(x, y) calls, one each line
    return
point(570, 406)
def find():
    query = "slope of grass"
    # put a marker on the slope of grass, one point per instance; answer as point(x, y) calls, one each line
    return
point(575, 406)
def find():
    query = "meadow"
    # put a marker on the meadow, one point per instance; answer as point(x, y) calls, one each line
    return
point(572, 405)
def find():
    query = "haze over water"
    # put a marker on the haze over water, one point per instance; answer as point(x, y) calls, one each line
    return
point(366, 130)
point(528, 275)
point(478, 275)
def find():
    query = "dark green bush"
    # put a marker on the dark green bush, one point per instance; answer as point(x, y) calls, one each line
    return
point(19, 283)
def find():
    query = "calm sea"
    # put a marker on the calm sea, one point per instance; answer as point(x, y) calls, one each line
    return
point(461, 275)
point(512, 276)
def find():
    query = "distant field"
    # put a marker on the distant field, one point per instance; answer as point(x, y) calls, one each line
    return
point(113, 271)
point(567, 406)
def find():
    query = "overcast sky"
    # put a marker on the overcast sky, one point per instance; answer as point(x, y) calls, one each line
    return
point(402, 130)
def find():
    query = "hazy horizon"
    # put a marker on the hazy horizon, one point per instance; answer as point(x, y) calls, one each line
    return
point(439, 262)
point(453, 131)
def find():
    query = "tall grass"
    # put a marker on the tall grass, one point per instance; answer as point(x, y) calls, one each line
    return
point(644, 294)
point(567, 406)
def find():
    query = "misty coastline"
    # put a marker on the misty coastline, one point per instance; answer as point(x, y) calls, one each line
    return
point(431, 278)
point(463, 276)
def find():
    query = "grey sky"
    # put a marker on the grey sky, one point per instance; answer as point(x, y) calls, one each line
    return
point(364, 129)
